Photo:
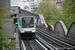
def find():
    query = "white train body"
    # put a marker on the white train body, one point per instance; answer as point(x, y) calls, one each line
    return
point(26, 26)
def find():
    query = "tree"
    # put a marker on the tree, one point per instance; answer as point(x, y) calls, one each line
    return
point(4, 41)
point(52, 14)
point(4, 11)
point(68, 9)
point(48, 9)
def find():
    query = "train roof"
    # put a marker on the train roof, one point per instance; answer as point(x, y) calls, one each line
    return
point(26, 16)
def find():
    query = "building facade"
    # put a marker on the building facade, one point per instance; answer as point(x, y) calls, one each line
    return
point(33, 5)
point(30, 5)
point(6, 2)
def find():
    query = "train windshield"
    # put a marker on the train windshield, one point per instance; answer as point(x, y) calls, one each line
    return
point(28, 22)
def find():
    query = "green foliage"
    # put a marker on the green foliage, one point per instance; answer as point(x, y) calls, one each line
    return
point(4, 41)
point(52, 14)
point(48, 9)
point(67, 20)
point(1, 41)
point(0, 24)
point(69, 11)
point(67, 15)
point(8, 43)
point(69, 7)
point(4, 11)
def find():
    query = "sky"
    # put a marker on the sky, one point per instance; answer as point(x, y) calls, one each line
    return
point(15, 2)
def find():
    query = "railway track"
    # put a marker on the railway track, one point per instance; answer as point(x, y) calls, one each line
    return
point(52, 42)
point(30, 45)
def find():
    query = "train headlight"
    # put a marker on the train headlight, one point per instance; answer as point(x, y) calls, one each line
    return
point(22, 31)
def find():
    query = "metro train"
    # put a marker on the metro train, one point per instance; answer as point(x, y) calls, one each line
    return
point(26, 27)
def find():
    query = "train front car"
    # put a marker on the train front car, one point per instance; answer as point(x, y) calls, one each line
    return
point(26, 27)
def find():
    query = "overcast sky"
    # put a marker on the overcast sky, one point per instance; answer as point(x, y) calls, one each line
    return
point(15, 2)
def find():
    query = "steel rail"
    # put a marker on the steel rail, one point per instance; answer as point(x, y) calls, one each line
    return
point(54, 40)
point(23, 47)
point(31, 45)
point(51, 37)
point(48, 45)
point(54, 37)
point(67, 41)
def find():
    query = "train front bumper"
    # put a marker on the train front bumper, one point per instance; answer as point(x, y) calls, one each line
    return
point(27, 35)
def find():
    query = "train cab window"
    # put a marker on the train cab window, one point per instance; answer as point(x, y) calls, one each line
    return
point(28, 22)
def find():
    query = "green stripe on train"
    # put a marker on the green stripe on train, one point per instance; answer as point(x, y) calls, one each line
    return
point(19, 21)
point(34, 21)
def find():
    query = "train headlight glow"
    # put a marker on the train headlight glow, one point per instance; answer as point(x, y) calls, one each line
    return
point(22, 31)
